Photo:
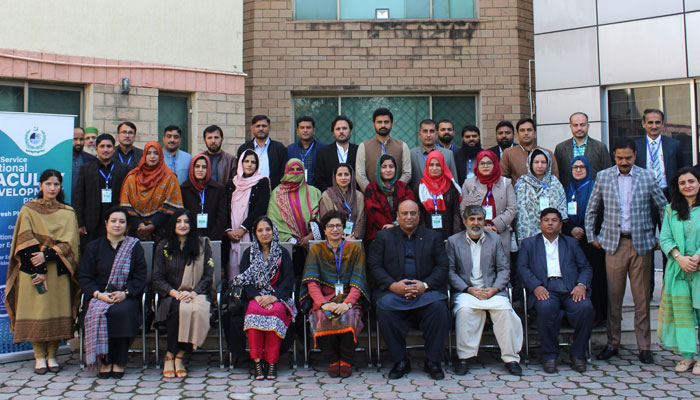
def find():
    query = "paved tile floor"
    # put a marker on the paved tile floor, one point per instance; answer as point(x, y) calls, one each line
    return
point(623, 377)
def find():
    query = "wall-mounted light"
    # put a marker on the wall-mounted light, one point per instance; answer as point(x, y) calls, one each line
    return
point(125, 86)
point(381, 13)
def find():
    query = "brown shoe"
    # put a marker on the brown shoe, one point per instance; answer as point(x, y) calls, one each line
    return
point(334, 369)
point(345, 369)
point(578, 364)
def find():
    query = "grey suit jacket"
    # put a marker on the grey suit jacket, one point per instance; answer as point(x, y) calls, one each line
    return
point(494, 263)
point(418, 164)
point(596, 153)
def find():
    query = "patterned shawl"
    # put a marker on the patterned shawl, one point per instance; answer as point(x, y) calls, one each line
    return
point(261, 270)
point(381, 207)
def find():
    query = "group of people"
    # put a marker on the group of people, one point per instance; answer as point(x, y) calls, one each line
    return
point(428, 218)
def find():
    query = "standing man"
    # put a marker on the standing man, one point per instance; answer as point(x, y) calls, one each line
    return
point(79, 156)
point(505, 133)
point(271, 153)
point(428, 137)
point(177, 160)
point(341, 151)
point(628, 193)
point(126, 154)
point(90, 135)
point(465, 156)
point(409, 266)
point(446, 131)
point(514, 159)
point(306, 148)
point(580, 145)
point(223, 164)
point(370, 150)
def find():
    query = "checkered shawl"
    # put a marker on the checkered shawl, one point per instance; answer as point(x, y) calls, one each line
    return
point(96, 335)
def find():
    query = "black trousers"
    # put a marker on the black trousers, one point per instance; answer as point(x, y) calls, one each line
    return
point(119, 350)
point(338, 347)
point(172, 325)
point(433, 319)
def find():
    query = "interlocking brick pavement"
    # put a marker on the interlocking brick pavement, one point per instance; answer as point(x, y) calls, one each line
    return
point(621, 377)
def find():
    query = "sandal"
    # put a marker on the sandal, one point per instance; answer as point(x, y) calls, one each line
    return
point(181, 373)
point(259, 371)
point(685, 365)
point(168, 373)
point(696, 368)
point(272, 371)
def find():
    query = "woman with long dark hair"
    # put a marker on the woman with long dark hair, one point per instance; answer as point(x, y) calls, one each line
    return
point(344, 197)
point(40, 296)
point(383, 196)
point(205, 198)
point(182, 275)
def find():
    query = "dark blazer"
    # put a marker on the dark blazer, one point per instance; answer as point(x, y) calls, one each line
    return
point(257, 203)
point(461, 163)
point(215, 207)
point(285, 280)
point(88, 193)
point(532, 264)
point(673, 156)
point(386, 260)
point(277, 154)
point(326, 161)
point(131, 160)
point(596, 153)
point(497, 151)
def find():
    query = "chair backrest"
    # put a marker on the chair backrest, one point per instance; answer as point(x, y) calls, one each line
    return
point(148, 254)
point(216, 255)
point(286, 245)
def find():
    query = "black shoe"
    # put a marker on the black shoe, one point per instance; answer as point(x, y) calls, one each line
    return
point(400, 369)
point(104, 375)
point(462, 367)
point(646, 357)
point(434, 370)
point(578, 364)
point(514, 368)
point(550, 366)
point(607, 352)
point(271, 372)
point(117, 375)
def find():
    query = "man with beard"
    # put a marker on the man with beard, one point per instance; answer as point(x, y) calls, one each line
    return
point(428, 137)
point(370, 150)
point(79, 156)
point(446, 131)
point(126, 154)
point(306, 149)
point(90, 135)
point(177, 160)
point(465, 156)
point(514, 159)
point(223, 164)
point(341, 151)
point(504, 137)
point(271, 153)
point(580, 145)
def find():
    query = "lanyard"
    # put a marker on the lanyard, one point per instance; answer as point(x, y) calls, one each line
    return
point(303, 158)
point(342, 155)
point(122, 159)
point(107, 178)
point(573, 196)
point(655, 154)
point(469, 165)
point(435, 203)
point(486, 199)
point(383, 148)
point(544, 187)
point(338, 258)
point(201, 197)
point(348, 207)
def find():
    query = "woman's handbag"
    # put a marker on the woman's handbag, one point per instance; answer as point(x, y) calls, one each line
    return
point(233, 300)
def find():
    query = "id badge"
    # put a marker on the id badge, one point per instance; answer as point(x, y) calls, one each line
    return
point(544, 203)
point(202, 220)
point(306, 175)
point(339, 288)
point(488, 211)
point(348, 228)
point(437, 221)
point(572, 207)
point(470, 174)
point(106, 195)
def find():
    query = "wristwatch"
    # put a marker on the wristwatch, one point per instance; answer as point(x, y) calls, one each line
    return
point(126, 292)
point(348, 304)
point(426, 285)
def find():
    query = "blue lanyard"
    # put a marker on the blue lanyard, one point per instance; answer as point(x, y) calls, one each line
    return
point(338, 258)
point(201, 197)
point(573, 196)
point(656, 153)
point(435, 203)
point(348, 207)
point(340, 155)
point(544, 187)
point(383, 148)
point(486, 199)
point(108, 176)
point(469, 166)
point(122, 159)
point(172, 162)
point(303, 158)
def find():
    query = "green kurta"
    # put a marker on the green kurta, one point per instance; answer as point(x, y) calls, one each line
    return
point(679, 312)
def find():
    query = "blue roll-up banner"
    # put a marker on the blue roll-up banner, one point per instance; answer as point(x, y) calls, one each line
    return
point(29, 144)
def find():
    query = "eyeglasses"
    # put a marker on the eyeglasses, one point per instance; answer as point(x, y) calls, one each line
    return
point(578, 167)
point(334, 226)
point(486, 164)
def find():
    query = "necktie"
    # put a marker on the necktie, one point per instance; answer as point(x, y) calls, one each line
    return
point(656, 164)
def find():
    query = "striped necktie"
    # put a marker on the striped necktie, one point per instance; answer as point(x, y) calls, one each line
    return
point(656, 164)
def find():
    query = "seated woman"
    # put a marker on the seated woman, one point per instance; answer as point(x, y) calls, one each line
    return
point(439, 196)
point(182, 275)
point(267, 280)
point(113, 274)
point(344, 196)
point(205, 198)
point(150, 193)
point(334, 281)
point(383, 196)
point(40, 296)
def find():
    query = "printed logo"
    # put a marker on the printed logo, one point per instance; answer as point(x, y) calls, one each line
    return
point(3, 310)
point(35, 139)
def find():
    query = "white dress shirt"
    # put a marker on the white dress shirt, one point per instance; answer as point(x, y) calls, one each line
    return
point(477, 277)
point(264, 167)
point(551, 250)
point(624, 192)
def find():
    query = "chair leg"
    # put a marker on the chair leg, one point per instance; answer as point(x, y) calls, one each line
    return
point(306, 340)
point(143, 330)
point(449, 347)
point(157, 333)
point(379, 346)
point(219, 331)
point(527, 336)
point(369, 340)
point(82, 338)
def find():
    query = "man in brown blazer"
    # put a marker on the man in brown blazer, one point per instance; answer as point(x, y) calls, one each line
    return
point(514, 159)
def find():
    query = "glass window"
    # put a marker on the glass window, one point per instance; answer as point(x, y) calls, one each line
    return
point(173, 109)
point(453, 9)
point(316, 9)
point(12, 98)
point(55, 101)
point(323, 110)
point(460, 110)
point(398, 9)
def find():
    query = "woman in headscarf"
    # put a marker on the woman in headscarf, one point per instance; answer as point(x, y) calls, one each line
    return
point(248, 196)
point(535, 191)
point(344, 197)
point(267, 280)
point(205, 198)
point(383, 196)
point(487, 188)
point(577, 194)
point(439, 196)
point(334, 282)
point(150, 193)
point(182, 275)
point(40, 296)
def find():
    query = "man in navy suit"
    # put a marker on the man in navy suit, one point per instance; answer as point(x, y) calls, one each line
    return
point(557, 276)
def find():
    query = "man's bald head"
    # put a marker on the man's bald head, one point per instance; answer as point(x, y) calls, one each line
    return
point(408, 216)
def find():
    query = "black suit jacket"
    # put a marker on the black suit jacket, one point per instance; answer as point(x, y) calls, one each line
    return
point(326, 161)
point(88, 193)
point(673, 156)
point(386, 259)
point(277, 154)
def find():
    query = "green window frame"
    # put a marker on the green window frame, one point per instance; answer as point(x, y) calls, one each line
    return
point(309, 10)
point(174, 109)
point(41, 98)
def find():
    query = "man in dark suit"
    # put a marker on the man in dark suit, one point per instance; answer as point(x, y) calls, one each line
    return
point(126, 153)
point(557, 276)
point(271, 153)
point(408, 266)
point(505, 134)
point(97, 189)
point(80, 157)
point(465, 156)
point(580, 144)
point(341, 151)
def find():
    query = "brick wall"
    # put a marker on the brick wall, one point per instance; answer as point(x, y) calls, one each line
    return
point(488, 56)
